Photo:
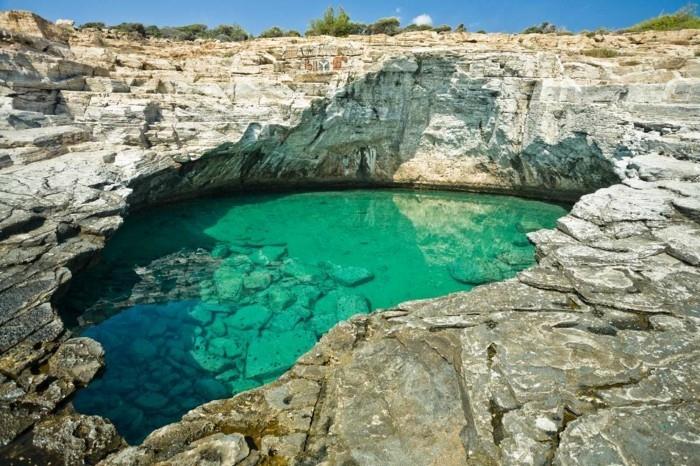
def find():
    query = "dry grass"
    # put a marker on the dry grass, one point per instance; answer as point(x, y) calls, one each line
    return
point(600, 53)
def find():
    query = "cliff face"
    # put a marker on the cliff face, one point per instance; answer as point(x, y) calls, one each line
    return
point(525, 371)
point(494, 112)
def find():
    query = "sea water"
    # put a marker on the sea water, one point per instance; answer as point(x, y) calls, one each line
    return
point(204, 299)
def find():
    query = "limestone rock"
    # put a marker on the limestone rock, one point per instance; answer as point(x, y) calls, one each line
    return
point(78, 359)
point(586, 357)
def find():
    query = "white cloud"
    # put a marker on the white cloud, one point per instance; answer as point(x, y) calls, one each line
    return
point(423, 20)
point(398, 11)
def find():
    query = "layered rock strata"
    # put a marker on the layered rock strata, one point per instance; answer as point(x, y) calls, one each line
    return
point(563, 364)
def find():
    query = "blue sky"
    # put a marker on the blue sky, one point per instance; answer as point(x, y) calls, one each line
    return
point(255, 16)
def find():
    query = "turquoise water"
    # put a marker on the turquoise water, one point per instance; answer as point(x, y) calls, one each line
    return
point(204, 299)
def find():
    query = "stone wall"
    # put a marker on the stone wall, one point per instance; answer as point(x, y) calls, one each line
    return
point(526, 371)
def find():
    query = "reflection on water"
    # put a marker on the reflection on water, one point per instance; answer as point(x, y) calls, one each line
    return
point(208, 298)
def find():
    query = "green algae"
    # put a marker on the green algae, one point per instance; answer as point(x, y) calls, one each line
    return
point(205, 299)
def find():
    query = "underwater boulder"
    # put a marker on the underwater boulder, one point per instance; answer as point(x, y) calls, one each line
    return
point(220, 251)
point(288, 319)
point(474, 271)
point(225, 347)
point(151, 400)
point(228, 282)
point(274, 352)
point(350, 275)
point(211, 389)
point(251, 317)
point(257, 279)
point(279, 299)
point(517, 257)
point(350, 304)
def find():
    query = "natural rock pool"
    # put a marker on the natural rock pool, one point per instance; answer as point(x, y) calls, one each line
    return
point(204, 299)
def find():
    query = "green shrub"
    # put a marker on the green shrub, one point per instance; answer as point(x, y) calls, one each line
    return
point(544, 28)
point(272, 32)
point(388, 26)
point(417, 27)
point(358, 28)
point(685, 18)
point(332, 25)
point(443, 28)
point(600, 53)
point(460, 28)
point(278, 32)
point(93, 25)
point(175, 34)
point(136, 28)
point(152, 31)
point(481, 31)
point(226, 33)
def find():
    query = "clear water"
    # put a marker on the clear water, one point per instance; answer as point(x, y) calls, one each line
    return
point(205, 299)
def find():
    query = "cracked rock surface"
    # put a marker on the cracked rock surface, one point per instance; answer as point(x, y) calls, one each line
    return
point(588, 358)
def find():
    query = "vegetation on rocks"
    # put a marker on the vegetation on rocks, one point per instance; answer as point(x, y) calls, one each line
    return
point(278, 32)
point(190, 32)
point(331, 24)
point(685, 18)
point(544, 28)
point(600, 53)
point(389, 26)
point(339, 24)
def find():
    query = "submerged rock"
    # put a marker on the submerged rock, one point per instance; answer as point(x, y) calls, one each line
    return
point(288, 319)
point(273, 352)
point(151, 401)
point(229, 282)
point(350, 275)
point(257, 279)
point(251, 317)
point(473, 271)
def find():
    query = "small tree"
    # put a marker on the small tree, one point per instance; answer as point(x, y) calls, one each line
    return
point(192, 31)
point(544, 28)
point(152, 31)
point(332, 25)
point(227, 33)
point(417, 27)
point(460, 28)
point(93, 25)
point(388, 26)
point(175, 34)
point(136, 28)
point(272, 32)
point(278, 32)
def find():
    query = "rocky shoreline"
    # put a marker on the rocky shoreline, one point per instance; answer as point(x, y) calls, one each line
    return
point(587, 358)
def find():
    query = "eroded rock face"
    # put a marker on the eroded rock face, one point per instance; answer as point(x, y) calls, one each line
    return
point(534, 370)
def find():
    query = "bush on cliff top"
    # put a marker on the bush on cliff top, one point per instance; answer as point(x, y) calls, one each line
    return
point(331, 24)
point(685, 18)
point(544, 28)
point(93, 25)
point(389, 26)
point(278, 32)
point(136, 28)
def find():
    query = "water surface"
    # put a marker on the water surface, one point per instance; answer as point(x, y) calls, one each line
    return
point(204, 299)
